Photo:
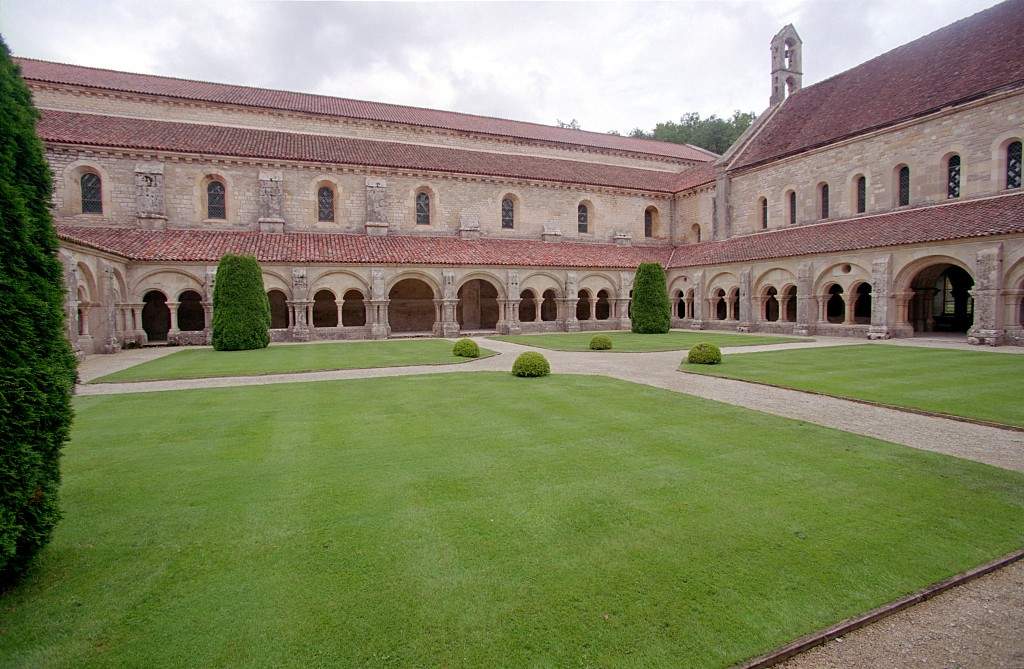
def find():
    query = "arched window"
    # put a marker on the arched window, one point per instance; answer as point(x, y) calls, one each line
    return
point(953, 176)
point(695, 231)
point(582, 218)
point(325, 310)
point(583, 311)
point(422, 209)
point(763, 206)
point(527, 306)
point(862, 194)
point(215, 207)
point(649, 222)
point(789, 306)
point(325, 204)
point(792, 207)
point(191, 315)
point(603, 308)
point(92, 194)
point(835, 307)
point(721, 307)
point(353, 311)
point(549, 306)
point(771, 304)
point(903, 187)
point(823, 200)
point(508, 213)
point(1013, 158)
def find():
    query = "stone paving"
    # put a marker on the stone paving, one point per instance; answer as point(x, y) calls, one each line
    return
point(974, 625)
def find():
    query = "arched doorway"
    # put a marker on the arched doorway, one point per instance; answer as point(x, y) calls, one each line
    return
point(278, 309)
point(603, 309)
point(549, 306)
point(411, 306)
point(478, 305)
point(942, 299)
point(835, 307)
point(325, 309)
point(721, 308)
point(789, 313)
point(156, 317)
point(527, 306)
point(680, 305)
point(583, 305)
point(353, 312)
point(862, 304)
point(771, 304)
point(191, 316)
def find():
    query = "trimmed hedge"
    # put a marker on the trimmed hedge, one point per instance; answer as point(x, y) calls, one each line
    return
point(600, 343)
point(704, 354)
point(466, 348)
point(37, 366)
point(531, 364)
point(650, 311)
point(241, 311)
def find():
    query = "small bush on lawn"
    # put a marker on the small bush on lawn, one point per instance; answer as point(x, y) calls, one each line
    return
point(531, 364)
point(650, 311)
point(241, 311)
point(466, 348)
point(600, 343)
point(704, 354)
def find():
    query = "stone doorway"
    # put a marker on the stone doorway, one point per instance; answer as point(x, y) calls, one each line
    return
point(478, 306)
point(942, 300)
point(411, 306)
point(156, 316)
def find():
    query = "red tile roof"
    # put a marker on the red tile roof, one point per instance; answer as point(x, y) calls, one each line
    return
point(1000, 215)
point(187, 89)
point(958, 63)
point(143, 134)
point(314, 247)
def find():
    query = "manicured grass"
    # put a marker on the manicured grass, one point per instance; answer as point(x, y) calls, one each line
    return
point(277, 359)
point(479, 520)
point(628, 342)
point(972, 384)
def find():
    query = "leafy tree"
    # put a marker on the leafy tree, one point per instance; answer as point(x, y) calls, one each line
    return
point(37, 367)
point(712, 133)
point(650, 310)
point(573, 124)
point(241, 311)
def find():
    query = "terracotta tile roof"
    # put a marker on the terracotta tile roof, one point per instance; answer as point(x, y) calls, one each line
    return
point(693, 177)
point(974, 218)
point(186, 89)
point(955, 64)
point(314, 247)
point(132, 133)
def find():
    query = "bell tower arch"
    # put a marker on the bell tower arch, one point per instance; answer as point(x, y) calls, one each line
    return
point(787, 64)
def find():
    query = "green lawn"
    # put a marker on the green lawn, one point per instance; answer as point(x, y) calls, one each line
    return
point(478, 520)
point(973, 384)
point(628, 342)
point(196, 363)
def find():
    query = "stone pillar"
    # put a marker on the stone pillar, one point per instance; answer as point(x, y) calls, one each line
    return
point(989, 313)
point(510, 323)
point(698, 305)
point(848, 306)
point(149, 196)
point(377, 318)
point(376, 206)
point(622, 302)
point(449, 324)
point(208, 320)
point(271, 201)
point(592, 316)
point(175, 330)
point(569, 302)
point(746, 316)
point(882, 299)
point(805, 302)
point(298, 323)
point(537, 302)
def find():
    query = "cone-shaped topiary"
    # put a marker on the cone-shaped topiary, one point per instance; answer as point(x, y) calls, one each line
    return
point(650, 310)
point(241, 311)
point(600, 343)
point(531, 364)
point(466, 348)
point(37, 366)
point(704, 354)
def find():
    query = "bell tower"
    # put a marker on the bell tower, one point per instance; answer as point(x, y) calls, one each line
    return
point(787, 67)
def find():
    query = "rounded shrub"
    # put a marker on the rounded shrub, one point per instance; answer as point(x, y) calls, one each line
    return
point(466, 348)
point(531, 364)
point(241, 311)
point(704, 354)
point(600, 343)
point(650, 311)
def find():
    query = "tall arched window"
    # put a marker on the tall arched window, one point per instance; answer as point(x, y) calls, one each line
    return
point(792, 207)
point(763, 206)
point(823, 199)
point(648, 223)
point(92, 194)
point(422, 209)
point(508, 213)
point(215, 206)
point(325, 204)
point(953, 176)
point(695, 232)
point(903, 187)
point(862, 194)
point(1013, 165)
point(582, 218)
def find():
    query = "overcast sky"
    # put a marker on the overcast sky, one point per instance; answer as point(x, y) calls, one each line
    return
point(612, 66)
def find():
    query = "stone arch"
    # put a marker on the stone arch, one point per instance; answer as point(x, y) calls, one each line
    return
point(329, 182)
point(73, 173)
point(938, 291)
point(338, 281)
point(483, 275)
point(776, 276)
point(191, 314)
point(771, 308)
point(789, 303)
point(583, 310)
point(999, 148)
point(418, 275)
point(603, 307)
point(549, 305)
point(585, 226)
point(325, 309)
point(528, 306)
point(541, 281)
point(353, 308)
point(835, 303)
point(720, 305)
point(843, 273)
point(652, 222)
point(156, 316)
point(734, 304)
point(272, 279)
point(411, 304)
point(278, 309)
point(854, 192)
point(695, 233)
point(860, 302)
point(202, 202)
point(477, 308)
point(88, 280)
point(517, 210)
point(432, 205)
point(595, 281)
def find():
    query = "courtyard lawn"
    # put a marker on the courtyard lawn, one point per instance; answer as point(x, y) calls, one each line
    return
point(972, 384)
point(470, 520)
point(629, 342)
point(197, 363)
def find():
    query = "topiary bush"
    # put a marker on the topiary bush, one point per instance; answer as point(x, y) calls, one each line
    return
point(241, 311)
point(531, 364)
point(466, 348)
point(650, 310)
point(704, 354)
point(600, 343)
point(37, 365)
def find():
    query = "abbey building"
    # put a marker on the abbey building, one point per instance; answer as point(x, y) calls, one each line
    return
point(883, 202)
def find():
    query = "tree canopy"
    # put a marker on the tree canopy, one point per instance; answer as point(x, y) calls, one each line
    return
point(712, 133)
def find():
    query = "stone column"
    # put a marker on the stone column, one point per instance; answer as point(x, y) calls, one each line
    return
point(510, 306)
point(340, 303)
point(173, 308)
point(377, 318)
point(698, 304)
point(537, 302)
point(625, 288)
point(208, 321)
point(512, 325)
point(849, 302)
point(988, 325)
point(593, 309)
point(882, 318)
point(805, 302)
point(745, 316)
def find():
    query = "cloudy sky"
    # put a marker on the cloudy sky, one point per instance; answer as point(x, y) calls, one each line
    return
point(612, 66)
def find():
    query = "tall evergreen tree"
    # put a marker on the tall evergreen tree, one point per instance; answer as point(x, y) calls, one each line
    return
point(241, 311)
point(649, 310)
point(37, 366)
